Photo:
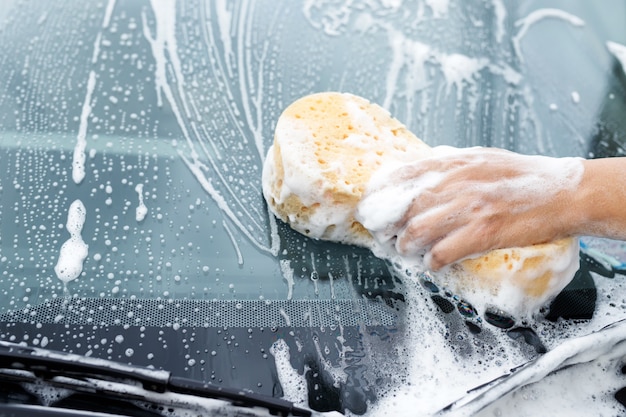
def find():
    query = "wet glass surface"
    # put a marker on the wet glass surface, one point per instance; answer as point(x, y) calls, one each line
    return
point(156, 116)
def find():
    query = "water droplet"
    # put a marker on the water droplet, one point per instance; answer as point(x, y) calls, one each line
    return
point(430, 286)
point(499, 319)
point(466, 309)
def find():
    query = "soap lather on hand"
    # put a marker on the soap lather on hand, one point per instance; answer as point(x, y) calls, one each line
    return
point(489, 198)
point(466, 202)
point(342, 169)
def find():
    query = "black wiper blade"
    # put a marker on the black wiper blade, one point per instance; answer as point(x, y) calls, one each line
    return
point(47, 364)
point(237, 397)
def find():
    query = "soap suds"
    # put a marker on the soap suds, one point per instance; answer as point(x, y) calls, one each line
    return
point(599, 350)
point(206, 151)
point(499, 11)
point(391, 193)
point(460, 69)
point(141, 210)
point(294, 385)
point(78, 161)
point(427, 357)
point(287, 271)
point(536, 16)
point(74, 251)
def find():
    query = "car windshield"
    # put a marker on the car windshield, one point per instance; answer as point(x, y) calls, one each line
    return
point(132, 221)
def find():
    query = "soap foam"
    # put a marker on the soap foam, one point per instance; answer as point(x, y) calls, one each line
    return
point(141, 210)
point(294, 385)
point(74, 251)
point(432, 374)
point(392, 191)
point(307, 172)
point(342, 169)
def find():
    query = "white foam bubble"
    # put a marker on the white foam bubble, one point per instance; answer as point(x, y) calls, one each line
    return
point(74, 251)
point(460, 69)
point(294, 385)
point(287, 272)
point(499, 11)
point(141, 210)
point(78, 161)
point(388, 200)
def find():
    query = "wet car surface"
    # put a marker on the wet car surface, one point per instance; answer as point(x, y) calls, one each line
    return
point(132, 224)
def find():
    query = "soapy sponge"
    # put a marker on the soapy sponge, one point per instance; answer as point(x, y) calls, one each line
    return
point(327, 147)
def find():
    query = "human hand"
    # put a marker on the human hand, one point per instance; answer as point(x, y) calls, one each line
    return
point(461, 202)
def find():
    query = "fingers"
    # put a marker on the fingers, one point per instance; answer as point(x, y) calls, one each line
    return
point(452, 248)
point(427, 228)
point(420, 232)
point(443, 161)
point(452, 232)
point(393, 200)
point(448, 204)
point(441, 249)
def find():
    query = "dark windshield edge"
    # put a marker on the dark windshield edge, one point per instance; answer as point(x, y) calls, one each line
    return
point(46, 364)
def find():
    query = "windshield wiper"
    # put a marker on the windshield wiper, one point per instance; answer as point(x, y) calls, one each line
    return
point(609, 341)
point(28, 364)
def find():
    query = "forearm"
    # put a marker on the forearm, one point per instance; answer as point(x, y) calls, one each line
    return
point(600, 201)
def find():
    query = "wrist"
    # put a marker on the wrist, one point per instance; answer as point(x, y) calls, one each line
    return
point(588, 207)
point(574, 201)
